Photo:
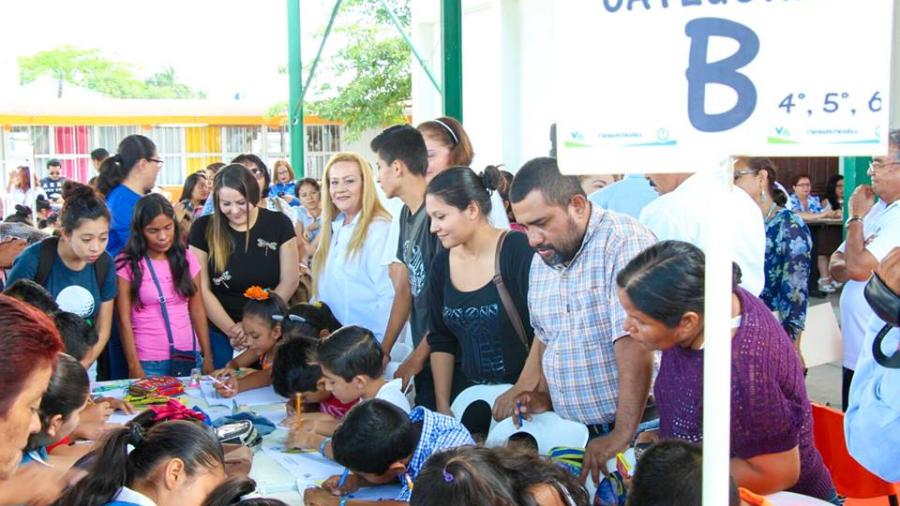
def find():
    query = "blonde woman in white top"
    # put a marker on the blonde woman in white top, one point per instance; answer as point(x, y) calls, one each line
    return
point(350, 267)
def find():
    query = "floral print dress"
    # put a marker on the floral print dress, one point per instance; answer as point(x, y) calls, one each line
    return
point(787, 267)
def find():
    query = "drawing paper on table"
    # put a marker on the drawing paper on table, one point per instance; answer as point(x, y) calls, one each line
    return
point(255, 397)
point(306, 467)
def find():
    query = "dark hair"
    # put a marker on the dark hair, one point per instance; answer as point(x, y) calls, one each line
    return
point(665, 281)
point(115, 467)
point(669, 472)
point(500, 476)
point(292, 370)
point(80, 203)
point(214, 167)
point(765, 164)
point(22, 215)
point(29, 340)
point(53, 162)
point(797, 177)
point(32, 293)
point(270, 310)
point(187, 191)
point(831, 191)
point(543, 174)
point(238, 178)
point(77, 335)
point(115, 169)
point(251, 158)
point(404, 143)
point(318, 317)
point(505, 183)
point(307, 180)
point(67, 392)
point(373, 435)
point(42, 204)
point(451, 134)
point(99, 154)
point(351, 351)
point(230, 492)
point(460, 186)
point(148, 208)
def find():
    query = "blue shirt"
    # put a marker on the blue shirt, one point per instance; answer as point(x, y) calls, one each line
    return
point(439, 432)
point(788, 255)
point(74, 291)
point(627, 196)
point(289, 188)
point(121, 201)
point(872, 422)
point(814, 204)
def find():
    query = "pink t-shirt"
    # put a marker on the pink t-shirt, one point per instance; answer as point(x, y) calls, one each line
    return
point(150, 336)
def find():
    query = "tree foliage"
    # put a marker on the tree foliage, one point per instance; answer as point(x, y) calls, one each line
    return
point(88, 68)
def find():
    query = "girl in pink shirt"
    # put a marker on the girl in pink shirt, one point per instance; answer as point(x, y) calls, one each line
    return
point(143, 325)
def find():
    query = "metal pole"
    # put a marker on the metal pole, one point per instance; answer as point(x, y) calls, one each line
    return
point(315, 63)
point(412, 47)
point(295, 82)
point(451, 34)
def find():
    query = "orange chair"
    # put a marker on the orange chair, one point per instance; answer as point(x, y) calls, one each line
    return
point(850, 478)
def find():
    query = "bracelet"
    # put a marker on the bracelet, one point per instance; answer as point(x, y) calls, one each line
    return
point(854, 218)
point(322, 446)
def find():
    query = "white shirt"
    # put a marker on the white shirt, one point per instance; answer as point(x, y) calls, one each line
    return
point(881, 232)
point(358, 289)
point(127, 495)
point(679, 215)
point(393, 393)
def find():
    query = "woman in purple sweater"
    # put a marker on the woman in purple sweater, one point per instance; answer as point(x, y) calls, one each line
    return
point(771, 419)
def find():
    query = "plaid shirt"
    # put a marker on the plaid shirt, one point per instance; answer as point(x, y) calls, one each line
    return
point(439, 432)
point(575, 312)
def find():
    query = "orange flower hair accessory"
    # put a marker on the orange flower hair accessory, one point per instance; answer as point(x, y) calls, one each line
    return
point(256, 293)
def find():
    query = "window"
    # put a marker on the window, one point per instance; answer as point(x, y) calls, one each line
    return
point(170, 146)
point(239, 140)
point(109, 137)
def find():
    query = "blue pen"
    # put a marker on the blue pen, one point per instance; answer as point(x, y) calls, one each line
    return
point(519, 412)
point(343, 479)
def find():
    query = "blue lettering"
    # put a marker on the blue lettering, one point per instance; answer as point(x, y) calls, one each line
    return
point(688, 3)
point(700, 73)
point(646, 3)
point(610, 8)
point(715, 2)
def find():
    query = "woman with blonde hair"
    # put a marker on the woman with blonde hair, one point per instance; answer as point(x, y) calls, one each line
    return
point(350, 267)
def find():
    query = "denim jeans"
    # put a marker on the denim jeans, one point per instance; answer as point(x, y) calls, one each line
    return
point(164, 367)
point(221, 348)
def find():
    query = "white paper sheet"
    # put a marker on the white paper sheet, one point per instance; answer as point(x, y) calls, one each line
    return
point(255, 397)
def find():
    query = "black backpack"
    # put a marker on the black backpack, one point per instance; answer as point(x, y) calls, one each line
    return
point(48, 254)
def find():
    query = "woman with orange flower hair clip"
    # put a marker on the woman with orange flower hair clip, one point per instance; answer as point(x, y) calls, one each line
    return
point(262, 320)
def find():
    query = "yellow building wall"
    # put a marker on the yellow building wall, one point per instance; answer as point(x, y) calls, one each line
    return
point(202, 145)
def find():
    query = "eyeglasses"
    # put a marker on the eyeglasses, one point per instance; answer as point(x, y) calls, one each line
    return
point(875, 165)
point(155, 160)
point(741, 173)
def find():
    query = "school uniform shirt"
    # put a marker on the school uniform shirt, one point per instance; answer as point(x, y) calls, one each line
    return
point(357, 287)
point(392, 391)
point(74, 291)
point(474, 325)
point(679, 215)
point(256, 262)
point(881, 233)
point(128, 497)
point(121, 201)
point(576, 313)
point(150, 334)
point(439, 432)
point(416, 248)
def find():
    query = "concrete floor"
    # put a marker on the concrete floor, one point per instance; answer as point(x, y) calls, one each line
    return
point(823, 383)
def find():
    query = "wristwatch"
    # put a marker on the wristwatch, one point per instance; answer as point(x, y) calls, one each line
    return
point(854, 218)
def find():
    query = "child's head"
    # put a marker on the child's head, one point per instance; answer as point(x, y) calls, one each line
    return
point(293, 372)
point(262, 319)
point(30, 292)
point(350, 359)
point(232, 491)
point(310, 320)
point(475, 475)
point(399, 150)
point(670, 472)
point(178, 462)
point(77, 335)
point(62, 403)
point(375, 440)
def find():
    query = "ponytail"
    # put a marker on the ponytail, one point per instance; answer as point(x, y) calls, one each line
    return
point(460, 186)
point(116, 168)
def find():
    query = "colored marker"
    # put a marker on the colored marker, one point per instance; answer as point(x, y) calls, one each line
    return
point(218, 382)
point(343, 478)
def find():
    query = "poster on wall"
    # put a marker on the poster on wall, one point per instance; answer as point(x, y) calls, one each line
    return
point(660, 85)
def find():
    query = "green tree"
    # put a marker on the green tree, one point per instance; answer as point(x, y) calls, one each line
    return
point(372, 83)
point(89, 69)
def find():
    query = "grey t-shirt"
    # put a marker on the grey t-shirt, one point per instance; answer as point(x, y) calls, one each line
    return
point(416, 248)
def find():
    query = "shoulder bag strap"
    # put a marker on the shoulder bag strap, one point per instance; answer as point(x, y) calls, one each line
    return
point(46, 256)
point(505, 297)
point(162, 306)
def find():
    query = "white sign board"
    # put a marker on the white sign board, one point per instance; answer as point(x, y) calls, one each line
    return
point(655, 85)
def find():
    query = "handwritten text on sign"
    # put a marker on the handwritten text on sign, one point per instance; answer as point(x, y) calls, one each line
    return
point(656, 84)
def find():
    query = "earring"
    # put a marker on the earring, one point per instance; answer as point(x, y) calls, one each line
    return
point(762, 197)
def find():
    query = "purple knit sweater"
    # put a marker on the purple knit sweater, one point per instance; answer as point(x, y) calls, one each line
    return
point(770, 411)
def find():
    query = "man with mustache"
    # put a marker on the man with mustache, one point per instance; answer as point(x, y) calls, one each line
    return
point(595, 373)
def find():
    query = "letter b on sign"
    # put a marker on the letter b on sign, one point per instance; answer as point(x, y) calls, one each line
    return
point(724, 72)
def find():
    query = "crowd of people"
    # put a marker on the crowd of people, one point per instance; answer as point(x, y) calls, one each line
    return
point(584, 295)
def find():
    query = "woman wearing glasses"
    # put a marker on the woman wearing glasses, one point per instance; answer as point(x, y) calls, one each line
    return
point(809, 207)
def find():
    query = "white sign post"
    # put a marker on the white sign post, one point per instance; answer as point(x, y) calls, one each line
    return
point(681, 85)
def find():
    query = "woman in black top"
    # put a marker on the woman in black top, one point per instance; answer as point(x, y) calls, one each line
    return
point(238, 246)
point(468, 318)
